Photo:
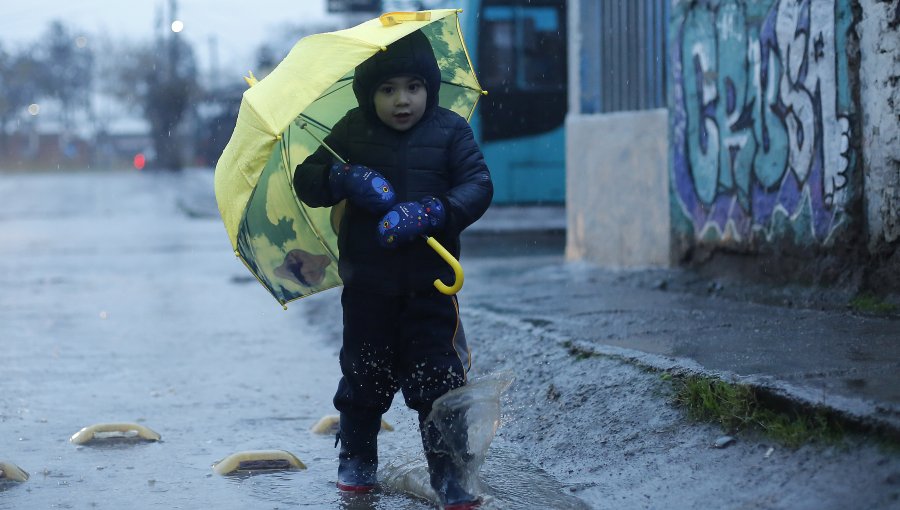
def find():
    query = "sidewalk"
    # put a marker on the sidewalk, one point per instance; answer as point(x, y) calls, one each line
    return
point(548, 219)
point(778, 339)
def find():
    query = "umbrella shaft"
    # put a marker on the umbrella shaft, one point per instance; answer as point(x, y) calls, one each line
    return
point(316, 138)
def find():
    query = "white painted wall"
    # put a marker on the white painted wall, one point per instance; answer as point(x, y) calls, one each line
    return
point(617, 192)
point(617, 195)
point(880, 105)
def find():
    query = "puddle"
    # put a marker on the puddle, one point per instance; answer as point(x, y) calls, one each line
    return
point(176, 340)
point(496, 472)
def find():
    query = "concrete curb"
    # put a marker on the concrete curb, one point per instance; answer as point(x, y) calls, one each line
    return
point(856, 413)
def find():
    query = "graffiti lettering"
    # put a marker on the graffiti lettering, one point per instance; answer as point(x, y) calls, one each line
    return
point(762, 130)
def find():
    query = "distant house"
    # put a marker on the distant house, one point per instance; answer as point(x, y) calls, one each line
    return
point(106, 138)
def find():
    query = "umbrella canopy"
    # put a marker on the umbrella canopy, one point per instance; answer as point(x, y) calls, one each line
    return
point(291, 248)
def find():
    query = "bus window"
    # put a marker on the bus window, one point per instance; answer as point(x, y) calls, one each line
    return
point(522, 58)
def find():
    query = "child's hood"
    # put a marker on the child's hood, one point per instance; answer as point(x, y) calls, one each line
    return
point(412, 55)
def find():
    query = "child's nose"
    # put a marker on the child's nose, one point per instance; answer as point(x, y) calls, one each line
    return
point(403, 98)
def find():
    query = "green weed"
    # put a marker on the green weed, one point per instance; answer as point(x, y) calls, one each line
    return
point(868, 303)
point(738, 407)
point(577, 352)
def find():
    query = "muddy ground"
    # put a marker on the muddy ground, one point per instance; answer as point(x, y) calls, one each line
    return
point(606, 426)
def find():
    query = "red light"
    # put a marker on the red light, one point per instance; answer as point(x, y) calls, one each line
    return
point(139, 161)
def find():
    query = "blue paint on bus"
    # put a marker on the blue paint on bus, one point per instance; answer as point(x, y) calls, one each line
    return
point(519, 51)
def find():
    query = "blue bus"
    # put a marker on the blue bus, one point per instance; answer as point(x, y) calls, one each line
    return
point(518, 48)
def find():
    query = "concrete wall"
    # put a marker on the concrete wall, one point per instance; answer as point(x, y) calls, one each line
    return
point(761, 124)
point(617, 202)
point(783, 139)
point(617, 189)
point(879, 73)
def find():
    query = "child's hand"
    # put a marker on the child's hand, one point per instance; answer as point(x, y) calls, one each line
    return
point(409, 220)
point(363, 186)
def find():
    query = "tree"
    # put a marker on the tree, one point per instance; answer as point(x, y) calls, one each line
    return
point(167, 98)
point(66, 64)
point(18, 74)
point(161, 79)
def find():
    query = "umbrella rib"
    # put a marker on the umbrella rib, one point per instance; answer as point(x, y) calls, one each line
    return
point(300, 206)
point(365, 42)
point(314, 122)
point(462, 39)
point(349, 80)
point(479, 90)
point(260, 280)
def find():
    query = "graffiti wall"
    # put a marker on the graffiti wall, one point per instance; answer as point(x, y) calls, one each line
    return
point(760, 121)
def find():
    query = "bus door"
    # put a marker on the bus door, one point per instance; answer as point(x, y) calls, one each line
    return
point(522, 64)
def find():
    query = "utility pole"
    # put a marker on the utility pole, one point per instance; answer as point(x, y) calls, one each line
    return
point(173, 43)
point(213, 61)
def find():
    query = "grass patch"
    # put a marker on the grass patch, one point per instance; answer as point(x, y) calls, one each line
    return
point(738, 407)
point(869, 303)
point(577, 352)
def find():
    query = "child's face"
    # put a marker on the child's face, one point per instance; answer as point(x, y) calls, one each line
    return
point(400, 101)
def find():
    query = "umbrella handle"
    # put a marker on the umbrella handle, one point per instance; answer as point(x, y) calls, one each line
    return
point(448, 290)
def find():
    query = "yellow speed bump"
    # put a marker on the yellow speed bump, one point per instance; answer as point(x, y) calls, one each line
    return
point(258, 460)
point(328, 424)
point(102, 431)
point(12, 472)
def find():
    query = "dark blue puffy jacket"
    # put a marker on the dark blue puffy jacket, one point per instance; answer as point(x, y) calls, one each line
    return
point(438, 156)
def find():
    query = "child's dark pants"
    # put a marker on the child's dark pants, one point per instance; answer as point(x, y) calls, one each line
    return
point(412, 343)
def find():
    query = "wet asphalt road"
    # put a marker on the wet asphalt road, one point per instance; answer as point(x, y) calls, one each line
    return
point(123, 302)
point(116, 306)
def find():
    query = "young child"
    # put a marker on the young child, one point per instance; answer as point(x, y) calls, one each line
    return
point(424, 175)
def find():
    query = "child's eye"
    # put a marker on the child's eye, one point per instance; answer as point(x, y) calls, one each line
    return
point(414, 86)
point(386, 90)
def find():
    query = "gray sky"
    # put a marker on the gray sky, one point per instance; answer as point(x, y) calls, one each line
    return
point(239, 26)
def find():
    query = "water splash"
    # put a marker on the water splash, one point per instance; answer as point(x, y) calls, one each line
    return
point(499, 473)
point(476, 408)
point(473, 409)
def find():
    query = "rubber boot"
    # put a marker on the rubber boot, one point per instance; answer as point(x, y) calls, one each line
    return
point(447, 459)
point(446, 480)
point(358, 457)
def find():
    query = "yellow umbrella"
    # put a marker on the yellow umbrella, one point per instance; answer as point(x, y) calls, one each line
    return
point(289, 247)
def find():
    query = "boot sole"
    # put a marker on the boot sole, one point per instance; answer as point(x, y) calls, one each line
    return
point(470, 505)
point(355, 488)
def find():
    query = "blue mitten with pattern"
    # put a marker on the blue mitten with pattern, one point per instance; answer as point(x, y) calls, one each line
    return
point(362, 186)
point(409, 220)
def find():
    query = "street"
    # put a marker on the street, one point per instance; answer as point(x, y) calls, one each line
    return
point(122, 301)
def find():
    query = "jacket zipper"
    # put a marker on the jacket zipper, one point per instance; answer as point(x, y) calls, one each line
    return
point(403, 171)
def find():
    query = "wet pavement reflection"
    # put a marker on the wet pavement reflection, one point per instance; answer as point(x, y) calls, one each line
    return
point(120, 302)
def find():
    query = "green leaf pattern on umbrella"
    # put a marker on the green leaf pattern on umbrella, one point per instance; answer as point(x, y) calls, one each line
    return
point(463, 90)
point(289, 247)
point(284, 251)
